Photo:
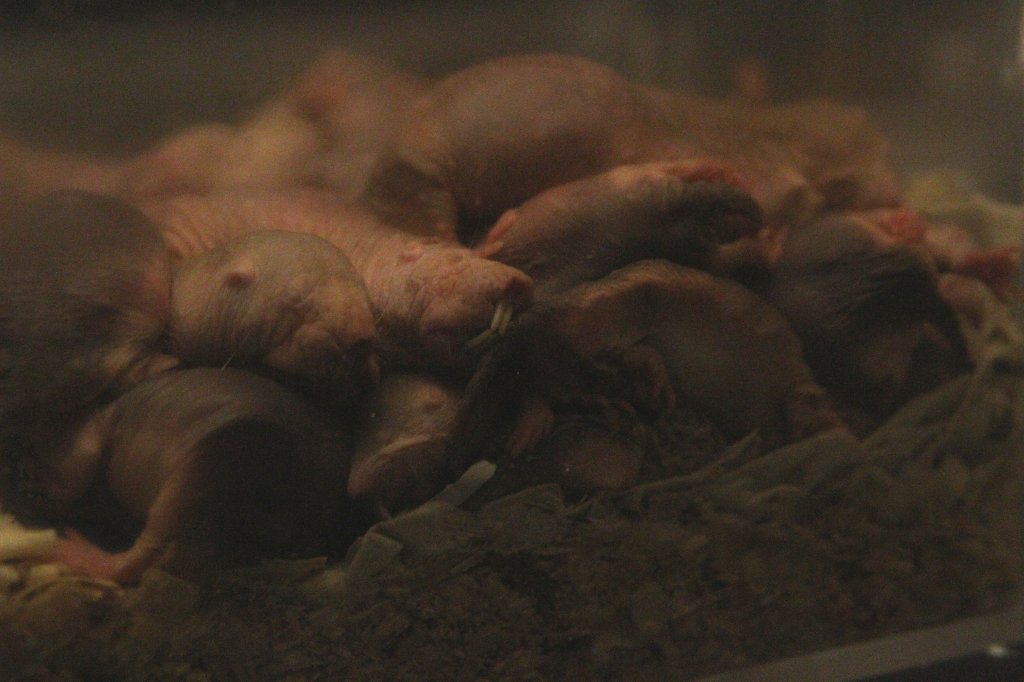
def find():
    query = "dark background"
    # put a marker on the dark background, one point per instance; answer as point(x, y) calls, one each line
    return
point(941, 78)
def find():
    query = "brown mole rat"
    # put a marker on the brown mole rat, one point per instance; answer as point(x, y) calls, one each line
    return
point(85, 285)
point(404, 453)
point(487, 138)
point(217, 465)
point(867, 308)
point(585, 229)
point(666, 333)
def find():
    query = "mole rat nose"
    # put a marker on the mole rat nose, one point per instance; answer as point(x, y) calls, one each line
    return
point(518, 289)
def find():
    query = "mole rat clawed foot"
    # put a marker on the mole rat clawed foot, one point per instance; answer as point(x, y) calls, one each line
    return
point(81, 555)
point(809, 411)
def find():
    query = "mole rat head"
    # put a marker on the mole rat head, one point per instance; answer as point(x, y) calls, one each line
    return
point(460, 298)
point(333, 343)
point(288, 303)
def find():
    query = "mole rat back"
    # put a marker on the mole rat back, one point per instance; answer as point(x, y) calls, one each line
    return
point(84, 298)
point(219, 466)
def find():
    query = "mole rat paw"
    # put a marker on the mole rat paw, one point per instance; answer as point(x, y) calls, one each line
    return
point(809, 411)
point(534, 423)
point(648, 376)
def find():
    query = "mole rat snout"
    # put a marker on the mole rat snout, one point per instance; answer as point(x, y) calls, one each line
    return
point(473, 295)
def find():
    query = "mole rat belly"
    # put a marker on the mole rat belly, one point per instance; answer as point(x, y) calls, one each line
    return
point(404, 452)
point(283, 303)
point(220, 465)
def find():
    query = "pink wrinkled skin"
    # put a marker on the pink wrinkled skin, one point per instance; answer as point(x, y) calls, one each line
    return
point(287, 301)
point(428, 296)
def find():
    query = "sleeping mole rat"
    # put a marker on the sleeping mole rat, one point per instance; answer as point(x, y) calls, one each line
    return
point(655, 334)
point(85, 284)
point(405, 450)
point(286, 304)
point(429, 297)
point(868, 310)
point(487, 138)
point(585, 229)
point(85, 290)
point(217, 465)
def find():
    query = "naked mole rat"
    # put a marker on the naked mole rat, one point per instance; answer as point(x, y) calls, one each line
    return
point(429, 297)
point(286, 303)
point(868, 310)
point(85, 285)
point(404, 453)
point(585, 229)
point(669, 334)
point(222, 465)
point(485, 139)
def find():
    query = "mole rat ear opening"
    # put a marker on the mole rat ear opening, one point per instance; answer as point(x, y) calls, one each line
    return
point(412, 252)
point(240, 274)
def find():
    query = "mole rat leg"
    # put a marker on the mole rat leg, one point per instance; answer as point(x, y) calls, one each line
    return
point(163, 523)
point(614, 317)
point(534, 422)
point(73, 468)
point(82, 556)
point(180, 491)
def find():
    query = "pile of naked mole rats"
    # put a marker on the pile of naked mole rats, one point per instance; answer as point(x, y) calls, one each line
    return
point(255, 340)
